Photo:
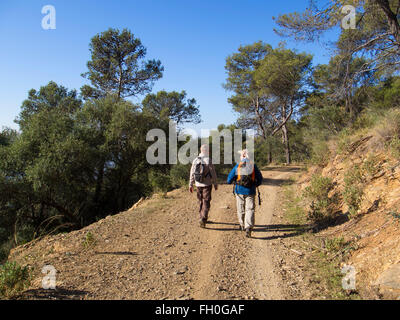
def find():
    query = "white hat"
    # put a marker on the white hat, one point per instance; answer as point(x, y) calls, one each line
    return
point(244, 154)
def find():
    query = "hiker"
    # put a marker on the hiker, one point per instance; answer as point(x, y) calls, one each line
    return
point(202, 174)
point(246, 177)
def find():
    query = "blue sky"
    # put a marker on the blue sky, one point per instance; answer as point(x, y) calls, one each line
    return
point(191, 38)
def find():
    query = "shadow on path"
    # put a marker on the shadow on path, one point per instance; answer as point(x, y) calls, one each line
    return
point(57, 294)
point(276, 182)
point(234, 226)
point(282, 169)
point(280, 236)
point(280, 227)
point(290, 229)
point(118, 253)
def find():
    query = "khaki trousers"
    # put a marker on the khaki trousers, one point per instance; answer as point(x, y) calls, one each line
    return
point(245, 210)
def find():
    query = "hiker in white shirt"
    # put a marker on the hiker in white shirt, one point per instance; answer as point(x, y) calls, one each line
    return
point(203, 176)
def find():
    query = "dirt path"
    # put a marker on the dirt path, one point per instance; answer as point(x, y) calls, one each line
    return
point(157, 251)
point(239, 267)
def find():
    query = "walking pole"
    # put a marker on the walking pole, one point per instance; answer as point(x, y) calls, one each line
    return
point(259, 197)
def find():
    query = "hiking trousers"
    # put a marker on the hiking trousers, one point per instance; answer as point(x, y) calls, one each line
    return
point(204, 198)
point(245, 210)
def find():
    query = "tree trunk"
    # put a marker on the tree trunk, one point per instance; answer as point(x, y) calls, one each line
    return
point(15, 232)
point(120, 82)
point(269, 152)
point(260, 119)
point(286, 143)
point(393, 22)
point(350, 107)
point(285, 136)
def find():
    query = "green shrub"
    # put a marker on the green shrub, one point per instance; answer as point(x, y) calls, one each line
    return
point(160, 182)
point(387, 94)
point(179, 175)
point(393, 118)
point(320, 153)
point(89, 241)
point(25, 233)
point(319, 187)
point(389, 125)
point(317, 193)
point(370, 166)
point(353, 190)
point(344, 141)
point(394, 146)
point(5, 248)
point(367, 119)
point(13, 279)
point(327, 120)
point(354, 175)
point(316, 214)
point(335, 244)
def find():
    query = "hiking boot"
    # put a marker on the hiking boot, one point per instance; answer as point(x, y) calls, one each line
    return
point(248, 233)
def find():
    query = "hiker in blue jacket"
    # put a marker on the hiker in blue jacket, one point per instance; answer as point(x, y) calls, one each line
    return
point(247, 178)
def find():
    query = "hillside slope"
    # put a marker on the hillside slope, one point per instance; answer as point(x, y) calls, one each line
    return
point(367, 171)
point(158, 251)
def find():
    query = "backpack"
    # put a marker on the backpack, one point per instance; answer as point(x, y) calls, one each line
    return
point(246, 175)
point(201, 170)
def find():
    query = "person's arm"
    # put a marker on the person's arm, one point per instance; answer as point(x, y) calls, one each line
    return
point(214, 176)
point(231, 175)
point(191, 177)
point(259, 177)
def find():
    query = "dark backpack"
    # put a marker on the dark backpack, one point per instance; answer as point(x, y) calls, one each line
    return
point(246, 176)
point(201, 170)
